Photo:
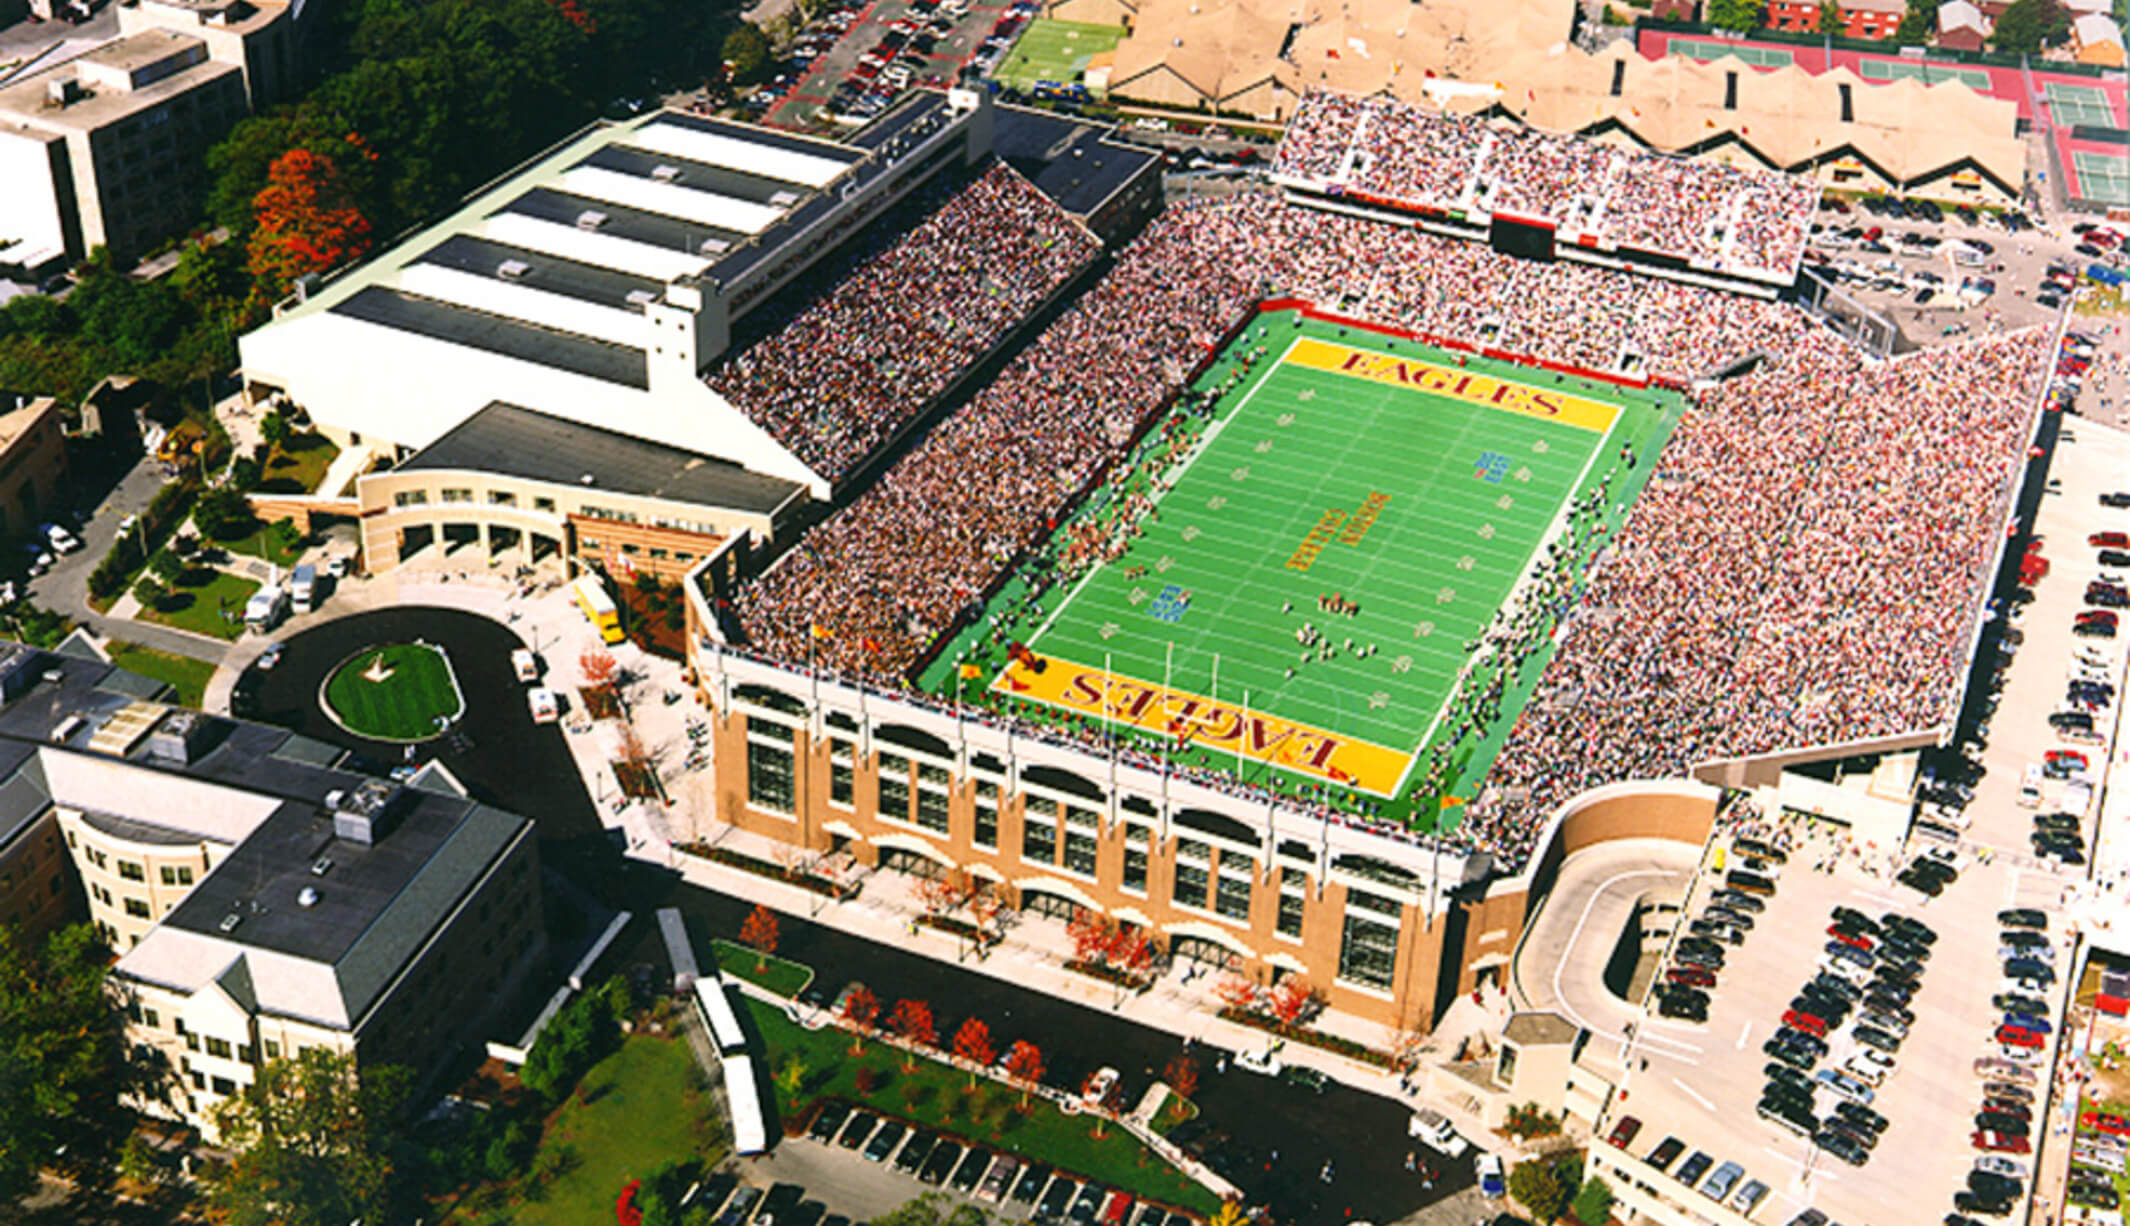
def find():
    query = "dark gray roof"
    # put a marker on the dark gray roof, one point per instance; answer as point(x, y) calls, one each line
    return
point(1069, 160)
point(132, 685)
point(505, 438)
point(768, 138)
point(701, 176)
point(586, 282)
point(515, 338)
point(622, 221)
point(22, 796)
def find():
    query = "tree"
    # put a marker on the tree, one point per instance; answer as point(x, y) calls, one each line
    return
point(578, 1036)
point(1545, 1186)
point(792, 1073)
point(274, 428)
point(1918, 24)
point(1830, 18)
point(303, 221)
point(1237, 992)
point(64, 1062)
point(1292, 998)
point(938, 895)
point(759, 933)
point(1089, 933)
point(1182, 1075)
point(2028, 25)
point(747, 53)
point(1734, 14)
point(598, 667)
point(860, 1010)
point(312, 1143)
point(1593, 1204)
point(912, 1019)
point(224, 513)
point(972, 1042)
point(1024, 1063)
point(150, 591)
point(1231, 1213)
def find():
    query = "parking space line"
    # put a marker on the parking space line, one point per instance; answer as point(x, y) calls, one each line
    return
point(1692, 1093)
point(1742, 1033)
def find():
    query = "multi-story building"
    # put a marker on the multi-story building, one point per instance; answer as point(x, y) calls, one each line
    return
point(33, 462)
point(260, 36)
point(1860, 18)
point(261, 899)
point(37, 890)
point(108, 150)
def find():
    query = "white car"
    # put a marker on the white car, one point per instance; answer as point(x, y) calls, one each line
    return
point(1998, 1164)
point(62, 541)
point(546, 708)
point(522, 663)
point(1869, 1066)
point(1259, 1062)
point(1099, 1087)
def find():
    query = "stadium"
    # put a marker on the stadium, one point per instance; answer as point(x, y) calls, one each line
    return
point(1296, 575)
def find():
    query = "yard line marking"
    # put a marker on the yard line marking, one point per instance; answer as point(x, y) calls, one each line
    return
point(1692, 1093)
point(1742, 1033)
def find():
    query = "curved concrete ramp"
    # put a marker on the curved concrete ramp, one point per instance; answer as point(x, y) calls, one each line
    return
point(1560, 965)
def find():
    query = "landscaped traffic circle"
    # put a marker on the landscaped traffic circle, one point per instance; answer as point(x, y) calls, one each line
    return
point(402, 692)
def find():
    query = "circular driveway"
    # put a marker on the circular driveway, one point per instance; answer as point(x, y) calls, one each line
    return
point(496, 750)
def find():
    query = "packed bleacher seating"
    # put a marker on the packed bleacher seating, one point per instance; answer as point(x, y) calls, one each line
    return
point(1724, 217)
point(859, 362)
point(1797, 572)
point(1802, 570)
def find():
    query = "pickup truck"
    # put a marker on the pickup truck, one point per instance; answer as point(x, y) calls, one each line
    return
point(1435, 1130)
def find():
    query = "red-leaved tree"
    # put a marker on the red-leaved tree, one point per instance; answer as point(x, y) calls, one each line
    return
point(598, 666)
point(860, 1010)
point(305, 221)
point(972, 1042)
point(1182, 1075)
point(1090, 934)
point(1236, 992)
point(912, 1019)
point(759, 933)
point(1024, 1063)
point(1291, 998)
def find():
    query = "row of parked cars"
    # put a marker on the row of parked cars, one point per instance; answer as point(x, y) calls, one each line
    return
point(2097, 1156)
point(1723, 1183)
point(1855, 1013)
point(2005, 1116)
point(2072, 362)
point(1044, 1194)
point(1697, 958)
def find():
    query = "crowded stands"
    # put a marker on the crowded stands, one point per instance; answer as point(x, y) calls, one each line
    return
point(1799, 571)
point(865, 358)
point(1719, 216)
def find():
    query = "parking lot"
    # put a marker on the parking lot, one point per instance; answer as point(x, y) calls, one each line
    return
point(855, 58)
point(1913, 269)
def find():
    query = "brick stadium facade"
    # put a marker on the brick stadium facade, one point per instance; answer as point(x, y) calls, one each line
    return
point(1389, 927)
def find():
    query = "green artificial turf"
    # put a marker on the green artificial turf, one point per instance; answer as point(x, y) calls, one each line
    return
point(405, 706)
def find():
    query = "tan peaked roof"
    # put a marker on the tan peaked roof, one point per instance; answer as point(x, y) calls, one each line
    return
point(1786, 118)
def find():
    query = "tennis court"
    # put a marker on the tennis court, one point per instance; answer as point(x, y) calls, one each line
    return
point(2079, 105)
point(1055, 51)
point(1758, 57)
point(2103, 177)
point(1301, 603)
point(1930, 74)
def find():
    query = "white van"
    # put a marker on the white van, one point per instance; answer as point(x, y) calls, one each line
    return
point(266, 608)
point(2030, 787)
point(303, 587)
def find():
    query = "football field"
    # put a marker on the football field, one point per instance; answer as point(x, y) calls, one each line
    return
point(1304, 597)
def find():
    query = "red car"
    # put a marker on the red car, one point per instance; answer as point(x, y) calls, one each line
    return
point(2018, 1036)
point(1805, 1022)
point(1623, 1133)
point(2065, 757)
point(1998, 1143)
point(2100, 1121)
point(2109, 540)
point(1852, 939)
point(1692, 976)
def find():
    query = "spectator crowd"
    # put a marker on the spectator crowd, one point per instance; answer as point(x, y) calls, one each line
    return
point(1800, 570)
point(861, 361)
point(1725, 217)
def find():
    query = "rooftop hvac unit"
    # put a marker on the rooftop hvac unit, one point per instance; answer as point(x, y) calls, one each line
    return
point(715, 246)
point(642, 297)
point(229, 922)
point(665, 174)
point(307, 897)
point(590, 219)
point(512, 270)
point(784, 199)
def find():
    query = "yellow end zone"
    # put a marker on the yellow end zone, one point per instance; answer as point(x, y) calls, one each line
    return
point(1197, 720)
point(1473, 387)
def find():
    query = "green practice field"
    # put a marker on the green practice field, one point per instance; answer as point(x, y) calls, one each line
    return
point(1424, 508)
point(1055, 51)
point(419, 688)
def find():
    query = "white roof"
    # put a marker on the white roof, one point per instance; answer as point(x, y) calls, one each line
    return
point(551, 310)
point(1959, 14)
point(590, 247)
point(708, 147)
point(195, 808)
point(2093, 29)
point(190, 962)
point(686, 203)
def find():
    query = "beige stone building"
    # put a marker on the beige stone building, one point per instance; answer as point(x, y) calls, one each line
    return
point(33, 463)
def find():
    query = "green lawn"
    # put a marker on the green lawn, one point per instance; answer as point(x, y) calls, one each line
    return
point(182, 673)
point(406, 704)
point(277, 542)
point(939, 1096)
point(779, 975)
point(200, 607)
point(296, 466)
point(640, 1107)
point(1055, 51)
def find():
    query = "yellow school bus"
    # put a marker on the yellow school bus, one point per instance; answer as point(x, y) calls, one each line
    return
point(598, 607)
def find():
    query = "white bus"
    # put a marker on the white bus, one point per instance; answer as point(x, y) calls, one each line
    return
point(715, 1008)
point(750, 1134)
